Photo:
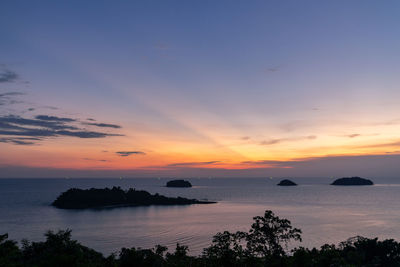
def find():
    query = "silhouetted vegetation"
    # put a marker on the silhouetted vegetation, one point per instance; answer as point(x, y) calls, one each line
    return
point(352, 181)
point(179, 183)
point(265, 244)
point(286, 182)
point(116, 197)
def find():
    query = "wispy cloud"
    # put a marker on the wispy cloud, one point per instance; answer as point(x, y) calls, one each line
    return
point(353, 135)
point(188, 164)
point(19, 129)
point(271, 163)
point(129, 153)
point(294, 125)
point(13, 129)
point(101, 160)
point(11, 94)
point(271, 142)
point(9, 98)
point(395, 143)
point(54, 118)
point(17, 123)
point(19, 140)
point(8, 76)
point(104, 125)
point(272, 69)
point(280, 140)
point(50, 107)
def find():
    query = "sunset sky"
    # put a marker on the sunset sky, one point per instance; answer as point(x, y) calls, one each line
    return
point(199, 88)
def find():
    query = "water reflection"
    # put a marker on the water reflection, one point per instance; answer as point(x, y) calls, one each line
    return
point(324, 213)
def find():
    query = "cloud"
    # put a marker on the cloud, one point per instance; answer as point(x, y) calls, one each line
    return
point(294, 125)
point(311, 137)
point(16, 122)
point(85, 134)
point(19, 140)
point(50, 107)
point(271, 142)
point(11, 94)
point(19, 130)
point(188, 164)
point(382, 145)
point(101, 160)
point(8, 98)
point(358, 135)
point(276, 141)
point(8, 76)
point(272, 163)
point(272, 69)
point(16, 129)
point(53, 118)
point(353, 135)
point(129, 153)
point(104, 125)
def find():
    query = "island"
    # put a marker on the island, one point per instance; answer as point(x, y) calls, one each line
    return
point(116, 197)
point(286, 182)
point(178, 183)
point(352, 181)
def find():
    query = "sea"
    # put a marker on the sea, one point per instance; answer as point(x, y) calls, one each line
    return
point(324, 213)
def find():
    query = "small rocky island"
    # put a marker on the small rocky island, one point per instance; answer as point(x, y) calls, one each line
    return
point(116, 197)
point(352, 181)
point(178, 183)
point(286, 182)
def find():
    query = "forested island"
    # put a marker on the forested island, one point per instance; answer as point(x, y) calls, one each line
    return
point(265, 244)
point(352, 181)
point(179, 183)
point(286, 182)
point(116, 197)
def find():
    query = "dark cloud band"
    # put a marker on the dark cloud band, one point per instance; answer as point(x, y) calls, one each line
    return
point(17, 130)
point(129, 153)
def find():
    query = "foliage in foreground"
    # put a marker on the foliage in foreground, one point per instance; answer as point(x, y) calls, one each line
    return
point(264, 245)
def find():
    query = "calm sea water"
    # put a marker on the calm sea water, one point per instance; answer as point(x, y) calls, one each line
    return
point(326, 214)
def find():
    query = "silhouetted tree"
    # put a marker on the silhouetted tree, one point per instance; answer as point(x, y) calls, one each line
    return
point(263, 245)
point(59, 250)
point(269, 235)
point(179, 258)
point(142, 257)
point(227, 249)
point(10, 255)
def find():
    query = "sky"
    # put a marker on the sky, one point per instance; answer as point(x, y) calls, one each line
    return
point(199, 88)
